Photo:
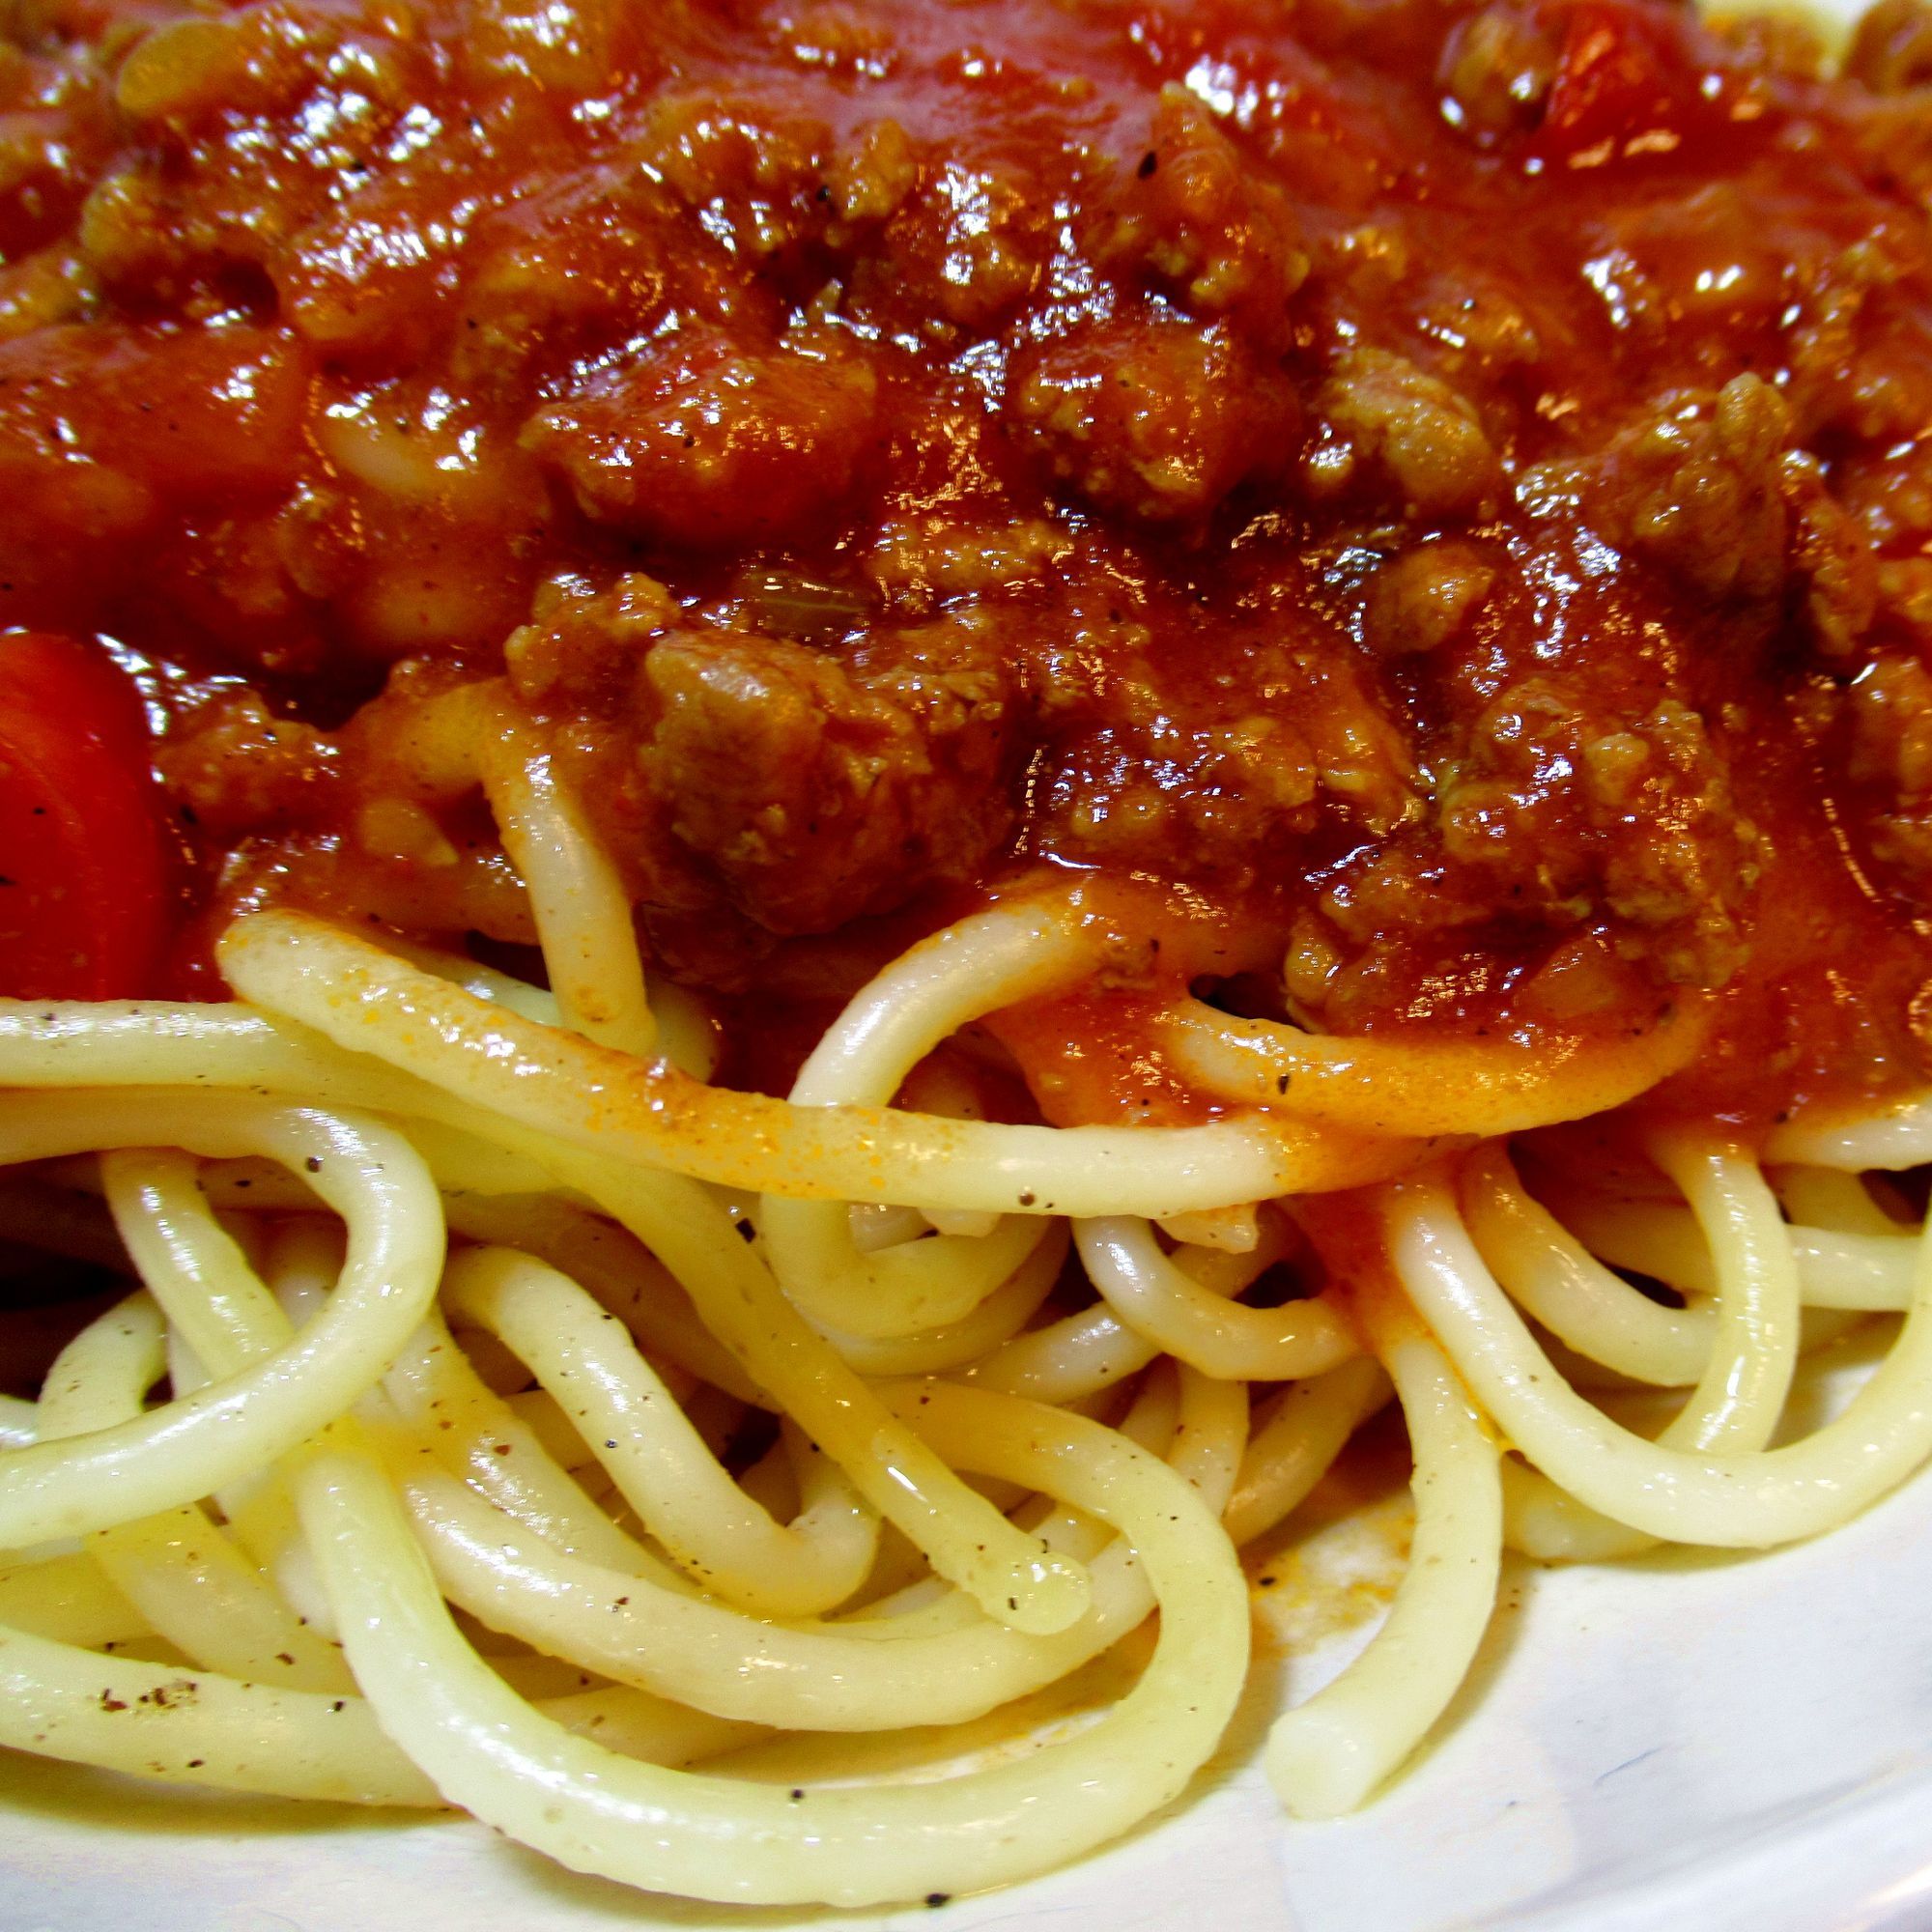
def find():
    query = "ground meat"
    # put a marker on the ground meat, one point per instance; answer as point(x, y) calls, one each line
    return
point(1889, 496)
point(1790, 44)
point(567, 46)
point(834, 35)
point(1386, 419)
point(1425, 596)
point(234, 768)
point(1833, 560)
point(52, 286)
point(1709, 490)
point(968, 239)
point(581, 648)
point(1714, 514)
point(918, 561)
point(1483, 331)
point(1904, 596)
point(1220, 792)
point(1426, 481)
point(546, 282)
point(1891, 752)
point(1697, 487)
point(815, 791)
point(1239, 786)
point(713, 445)
point(751, 171)
point(1497, 70)
point(1156, 418)
point(1207, 226)
point(1585, 814)
point(320, 95)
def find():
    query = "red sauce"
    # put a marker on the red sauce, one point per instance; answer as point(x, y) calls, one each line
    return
point(1436, 492)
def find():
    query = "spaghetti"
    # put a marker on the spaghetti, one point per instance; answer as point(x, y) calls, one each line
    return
point(417, 1483)
point(730, 1193)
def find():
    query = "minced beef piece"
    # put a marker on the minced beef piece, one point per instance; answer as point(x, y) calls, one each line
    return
point(1425, 596)
point(817, 791)
point(1159, 419)
point(1831, 557)
point(716, 446)
point(1583, 815)
point(1200, 220)
point(1410, 431)
point(1695, 486)
point(233, 768)
point(1891, 752)
point(1496, 70)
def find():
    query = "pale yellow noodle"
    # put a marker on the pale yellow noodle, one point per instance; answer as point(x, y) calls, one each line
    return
point(1157, 1300)
point(1210, 1433)
point(644, 1610)
point(635, 1629)
point(638, 1725)
point(632, 1424)
point(1729, 1499)
point(1327, 1755)
point(187, 1449)
point(1754, 1348)
point(1300, 1434)
point(965, 1540)
point(583, 912)
point(191, 1264)
point(844, 1846)
point(1418, 1088)
point(1854, 1269)
point(475, 1436)
point(69, 1598)
point(1893, 1135)
point(991, 960)
point(618, 1269)
point(959, 1345)
point(1554, 1277)
point(1074, 1358)
point(197, 1726)
point(178, 1569)
point(1068, 1359)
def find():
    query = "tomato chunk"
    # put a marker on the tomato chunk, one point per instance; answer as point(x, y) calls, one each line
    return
point(1618, 81)
point(85, 889)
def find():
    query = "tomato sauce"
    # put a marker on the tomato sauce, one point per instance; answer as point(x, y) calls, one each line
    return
point(1437, 492)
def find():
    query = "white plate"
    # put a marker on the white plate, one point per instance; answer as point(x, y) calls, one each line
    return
point(1697, 1743)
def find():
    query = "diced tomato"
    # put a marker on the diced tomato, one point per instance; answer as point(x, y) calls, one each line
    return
point(1617, 78)
point(85, 897)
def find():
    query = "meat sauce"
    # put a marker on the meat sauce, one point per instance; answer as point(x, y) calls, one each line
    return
point(1430, 502)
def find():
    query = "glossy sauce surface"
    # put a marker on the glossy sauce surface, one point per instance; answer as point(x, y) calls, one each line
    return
point(1432, 495)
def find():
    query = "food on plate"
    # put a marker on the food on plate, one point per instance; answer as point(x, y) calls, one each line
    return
point(816, 817)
